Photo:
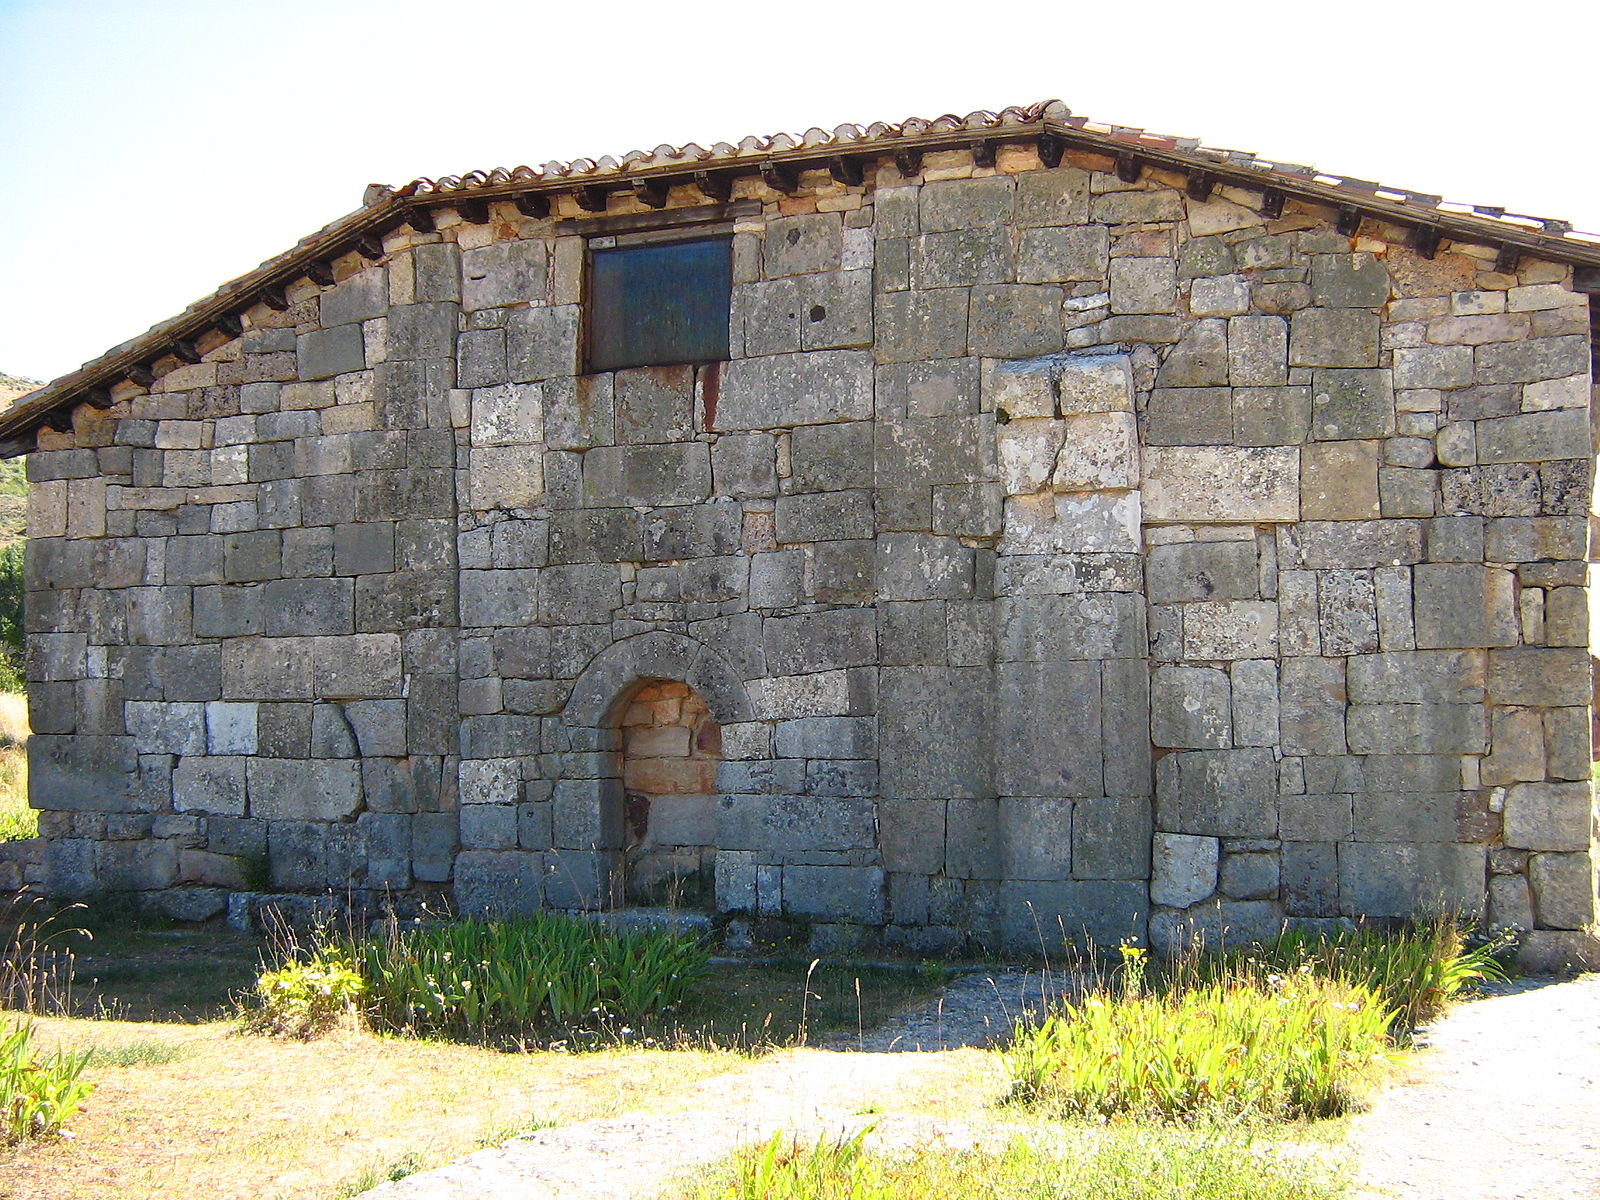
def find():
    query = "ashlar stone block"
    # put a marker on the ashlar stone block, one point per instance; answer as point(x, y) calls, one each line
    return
point(1184, 868)
point(1191, 708)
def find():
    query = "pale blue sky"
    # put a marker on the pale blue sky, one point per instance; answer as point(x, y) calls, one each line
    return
point(155, 148)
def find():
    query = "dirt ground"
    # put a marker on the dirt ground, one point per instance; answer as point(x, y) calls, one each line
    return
point(1500, 1103)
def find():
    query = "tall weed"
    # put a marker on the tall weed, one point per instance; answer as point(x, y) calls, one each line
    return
point(1414, 971)
point(1249, 1043)
point(481, 979)
point(36, 954)
point(37, 1095)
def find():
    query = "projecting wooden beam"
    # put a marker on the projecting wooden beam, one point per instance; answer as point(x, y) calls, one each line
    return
point(369, 247)
point(420, 219)
point(186, 351)
point(533, 204)
point(780, 177)
point(846, 170)
point(908, 161)
point(320, 273)
point(231, 324)
point(592, 198)
point(1349, 221)
point(1051, 148)
point(1199, 185)
point(983, 153)
point(275, 298)
point(1272, 204)
point(1425, 240)
point(714, 187)
point(652, 193)
point(474, 212)
point(142, 375)
point(13, 447)
point(1505, 262)
point(1129, 168)
point(98, 398)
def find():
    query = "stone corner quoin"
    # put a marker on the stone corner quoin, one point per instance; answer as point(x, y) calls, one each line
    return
point(1053, 558)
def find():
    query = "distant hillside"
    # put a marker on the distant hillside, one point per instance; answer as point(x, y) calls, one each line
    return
point(13, 481)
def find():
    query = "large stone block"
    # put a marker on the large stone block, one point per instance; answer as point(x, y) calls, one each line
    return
point(304, 789)
point(324, 353)
point(1183, 869)
point(1397, 879)
point(1563, 890)
point(806, 824)
point(1111, 837)
point(940, 716)
point(807, 642)
point(214, 784)
point(910, 327)
point(1047, 715)
point(802, 389)
point(1535, 437)
point(1044, 916)
point(1417, 729)
point(1544, 677)
point(834, 893)
point(1333, 337)
point(1191, 708)
point(1221, 483)
point(1184, 571)
point(1222, 793)
point(1550, 816)
point(499, 883)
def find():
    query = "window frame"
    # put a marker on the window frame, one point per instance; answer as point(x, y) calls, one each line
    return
point(601, 242)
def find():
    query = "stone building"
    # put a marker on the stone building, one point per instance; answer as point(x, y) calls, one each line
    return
point(997, 530)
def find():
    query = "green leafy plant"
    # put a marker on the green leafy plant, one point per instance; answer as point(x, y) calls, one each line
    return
point(514, 977)
point(37, 1094)
point(1250, 1043)
point(303, 999)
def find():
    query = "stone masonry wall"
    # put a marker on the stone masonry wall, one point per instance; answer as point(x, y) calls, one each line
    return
point(1058, 556)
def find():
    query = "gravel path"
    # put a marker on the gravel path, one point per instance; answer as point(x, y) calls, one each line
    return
point(1503, 1105)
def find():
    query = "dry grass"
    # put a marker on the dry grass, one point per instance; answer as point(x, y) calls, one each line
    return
point(200, 1110)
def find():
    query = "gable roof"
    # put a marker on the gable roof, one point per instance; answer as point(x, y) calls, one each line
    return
point(778, 158)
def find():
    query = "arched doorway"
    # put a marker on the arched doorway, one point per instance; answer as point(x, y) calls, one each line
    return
point(670, 746)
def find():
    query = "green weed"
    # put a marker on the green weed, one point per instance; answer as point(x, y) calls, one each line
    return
point(513, 977)
point(37, 1095)
point(1119, 1163)
point(303, 999)
point(1414, 971)
point(1249, 1043)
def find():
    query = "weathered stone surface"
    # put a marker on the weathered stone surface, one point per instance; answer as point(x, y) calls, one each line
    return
point(1184, 869)
point(1550, 816)
point(1222, 483)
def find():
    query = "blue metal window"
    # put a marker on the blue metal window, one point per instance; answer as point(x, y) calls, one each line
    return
point(654, 305)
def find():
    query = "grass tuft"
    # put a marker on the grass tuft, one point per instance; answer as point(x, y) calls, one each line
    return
point(1247, 1044)
point(1414, 971)
point(1120, 1163)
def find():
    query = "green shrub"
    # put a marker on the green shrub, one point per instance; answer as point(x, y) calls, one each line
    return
point(512, 977)
point(1250, 1043)
point(1415, 971)
point(1119, 1163)
point(303, 999)
point(12, 594)
point(37, 1095)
